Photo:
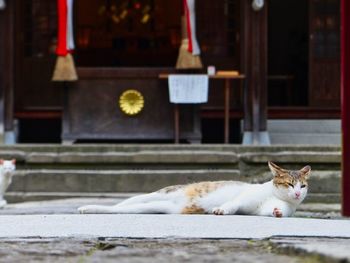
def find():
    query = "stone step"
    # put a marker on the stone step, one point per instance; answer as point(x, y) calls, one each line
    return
point(112, 168)
point(119, 155)
point(111, 181)
point(248, 162)
point(19, 197)
point(305, 131)
point(305, 126)
point(163, 154)
point(23, 149)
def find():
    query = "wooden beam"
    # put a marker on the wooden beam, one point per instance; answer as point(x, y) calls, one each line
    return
point(345, 101)
point(2, 73)
point(254, 59)
point(7, 63)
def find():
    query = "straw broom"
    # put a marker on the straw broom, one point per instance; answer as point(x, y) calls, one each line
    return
point(65, 67)
point(186, 58)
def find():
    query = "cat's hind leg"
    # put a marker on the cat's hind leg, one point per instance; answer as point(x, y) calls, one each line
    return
point(144, 198)
point(139, 199)
point(95, 209)
point(3, 203)
point(156, 207)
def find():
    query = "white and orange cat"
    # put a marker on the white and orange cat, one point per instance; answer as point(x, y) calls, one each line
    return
point(278, 197)
point(7, 169)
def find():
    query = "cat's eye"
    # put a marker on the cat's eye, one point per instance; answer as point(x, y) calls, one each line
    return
point(303, 186)
point(291, 185)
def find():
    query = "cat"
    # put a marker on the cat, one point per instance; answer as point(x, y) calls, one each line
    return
point(7, 168)
point(278, 197)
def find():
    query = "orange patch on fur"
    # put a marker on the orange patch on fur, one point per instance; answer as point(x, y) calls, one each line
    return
point(282, 180)
point(200, 189)
point(193, 209)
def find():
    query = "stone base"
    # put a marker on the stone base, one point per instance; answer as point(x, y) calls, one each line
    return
point(260, 138)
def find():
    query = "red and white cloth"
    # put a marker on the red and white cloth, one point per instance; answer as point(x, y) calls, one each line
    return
point(190, 13)
point(65, 39)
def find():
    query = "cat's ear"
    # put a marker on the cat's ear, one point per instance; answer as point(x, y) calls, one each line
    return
point(275, 169)
point(13, 161)
point(306, 171)
point(1, 161)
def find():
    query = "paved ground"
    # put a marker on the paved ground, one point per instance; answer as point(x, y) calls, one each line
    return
point(143, 251)
point(51, 231)
point(165, 226)
point(69, 206)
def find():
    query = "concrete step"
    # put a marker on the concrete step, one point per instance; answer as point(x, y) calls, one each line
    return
point(305, 126)
point(323, 185)
point(162, 156)
point(19, 197)
point(114, 168)
point(23, 149)
point(305, 131)
point(112, 180)
point(250, 160)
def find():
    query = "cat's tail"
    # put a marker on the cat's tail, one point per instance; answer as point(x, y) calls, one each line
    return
point(96, 209)
point(144, 198)
point(2, 203)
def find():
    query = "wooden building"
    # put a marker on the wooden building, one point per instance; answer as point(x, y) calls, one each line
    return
point(288, 53)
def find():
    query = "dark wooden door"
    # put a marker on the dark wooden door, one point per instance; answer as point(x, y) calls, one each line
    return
point(36, 24)
point(324, 53)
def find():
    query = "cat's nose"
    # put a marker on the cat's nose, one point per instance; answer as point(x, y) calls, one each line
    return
point(297, 194)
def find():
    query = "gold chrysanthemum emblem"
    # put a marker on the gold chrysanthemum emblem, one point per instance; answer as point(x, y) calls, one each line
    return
point(131, 102)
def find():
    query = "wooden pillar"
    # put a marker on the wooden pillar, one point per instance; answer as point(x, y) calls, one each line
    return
point(6, 68)
point(254, 65)
point(345, 102)
point(2, 74)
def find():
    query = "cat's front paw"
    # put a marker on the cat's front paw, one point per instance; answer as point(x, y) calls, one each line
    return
point(87, 209)
point(277, 212)
point(219, 211)
point(2, 203)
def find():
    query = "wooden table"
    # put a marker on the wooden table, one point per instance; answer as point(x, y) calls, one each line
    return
point(227, 78)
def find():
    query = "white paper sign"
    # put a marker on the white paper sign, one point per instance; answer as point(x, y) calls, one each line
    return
point(188, 88)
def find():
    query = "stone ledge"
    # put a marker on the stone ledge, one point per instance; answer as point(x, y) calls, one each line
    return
point(9, 154)
point(112, 181)
point(292, 157)
point(57, 148)
point(327, 198)
point(135, 157)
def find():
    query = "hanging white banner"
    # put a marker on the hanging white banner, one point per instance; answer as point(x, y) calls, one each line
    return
point(70, 37)
point(192, 26)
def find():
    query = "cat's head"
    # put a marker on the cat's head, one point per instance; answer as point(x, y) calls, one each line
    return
point(7, 166)
point(290, 185)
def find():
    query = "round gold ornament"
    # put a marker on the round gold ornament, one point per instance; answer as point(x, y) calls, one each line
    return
point(131, 102)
